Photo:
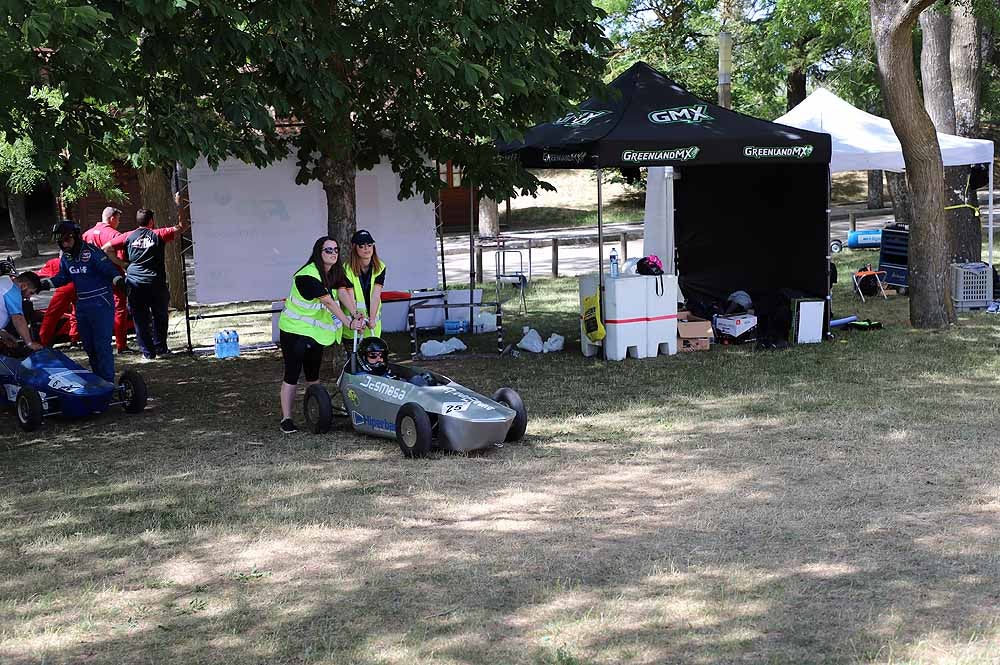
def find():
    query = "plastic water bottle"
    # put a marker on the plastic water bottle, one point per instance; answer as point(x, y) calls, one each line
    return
point(236, 344)
point(220, 349)
point(613, 260)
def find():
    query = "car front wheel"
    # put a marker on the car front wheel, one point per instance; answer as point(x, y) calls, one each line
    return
point(509, 398)
point(413, 430)
point(29, 409)
point(133, 391)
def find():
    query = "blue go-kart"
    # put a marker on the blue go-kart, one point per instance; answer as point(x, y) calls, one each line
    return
point(47, 383)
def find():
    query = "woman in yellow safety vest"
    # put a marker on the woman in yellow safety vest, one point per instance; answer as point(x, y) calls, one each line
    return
point(362, 295)
point(312, 319)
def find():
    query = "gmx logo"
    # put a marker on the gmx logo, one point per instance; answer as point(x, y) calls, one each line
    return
point(687, 114)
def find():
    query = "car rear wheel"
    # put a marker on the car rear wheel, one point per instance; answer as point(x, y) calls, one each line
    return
point(133, 391)
point(318, 409)
point(509, 398)
point(413, 430)
point(29, 409)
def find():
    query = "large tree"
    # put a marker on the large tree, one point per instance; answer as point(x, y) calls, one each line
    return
point(964, 231)
point(164, 81)
point(930, 280)
point(805, 39)
point(435, 80)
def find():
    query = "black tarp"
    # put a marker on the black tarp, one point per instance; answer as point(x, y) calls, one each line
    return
point(653, 121)
point(751, 202)
point(760, 231)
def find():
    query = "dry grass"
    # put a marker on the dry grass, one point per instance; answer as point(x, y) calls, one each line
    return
point(836, 503)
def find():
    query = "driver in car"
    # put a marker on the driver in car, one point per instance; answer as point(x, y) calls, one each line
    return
point(373, 355)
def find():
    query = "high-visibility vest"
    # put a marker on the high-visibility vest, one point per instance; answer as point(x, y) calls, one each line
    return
point(310, 318)
point(359, 299)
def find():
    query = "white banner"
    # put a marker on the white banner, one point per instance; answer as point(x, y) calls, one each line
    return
point(253, 228)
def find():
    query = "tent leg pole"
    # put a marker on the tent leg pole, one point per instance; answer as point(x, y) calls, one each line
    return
point(828, 314)
point(990, 248)
point(600, 256)
point(472, 251)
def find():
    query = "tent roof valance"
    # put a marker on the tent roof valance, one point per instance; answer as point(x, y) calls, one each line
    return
point(866, 142)
point(653, 121)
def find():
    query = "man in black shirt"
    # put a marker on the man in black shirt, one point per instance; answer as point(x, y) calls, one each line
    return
point(146, 281)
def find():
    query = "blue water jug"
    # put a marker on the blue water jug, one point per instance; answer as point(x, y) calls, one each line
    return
point(220, 347)
point(236, 345)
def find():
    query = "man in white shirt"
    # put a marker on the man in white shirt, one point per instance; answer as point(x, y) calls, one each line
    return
point(13, 291)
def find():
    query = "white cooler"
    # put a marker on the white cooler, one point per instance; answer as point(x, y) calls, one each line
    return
point(661, 317)
point(640, 322)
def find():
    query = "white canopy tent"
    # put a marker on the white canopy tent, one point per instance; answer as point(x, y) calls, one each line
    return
point(866, 142)
point(861, 142)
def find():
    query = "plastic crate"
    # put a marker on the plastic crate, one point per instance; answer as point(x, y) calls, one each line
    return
point(971, 284)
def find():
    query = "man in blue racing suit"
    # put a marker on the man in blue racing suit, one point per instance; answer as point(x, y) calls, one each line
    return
point(94, 276)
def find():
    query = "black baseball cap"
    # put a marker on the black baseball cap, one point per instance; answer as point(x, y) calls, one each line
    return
point(362, 237)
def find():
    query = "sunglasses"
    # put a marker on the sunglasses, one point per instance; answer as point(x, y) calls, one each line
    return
point(331, 250)
point(371, 355)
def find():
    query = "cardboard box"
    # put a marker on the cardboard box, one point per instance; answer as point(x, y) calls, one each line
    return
point(690, 326)
point(735, 326)
point(693, 344)
point(694, 329)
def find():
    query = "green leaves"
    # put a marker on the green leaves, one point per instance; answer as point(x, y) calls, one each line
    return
point(35, 29)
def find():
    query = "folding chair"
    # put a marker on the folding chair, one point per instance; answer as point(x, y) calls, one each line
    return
point(513, 277)
point(879, 276)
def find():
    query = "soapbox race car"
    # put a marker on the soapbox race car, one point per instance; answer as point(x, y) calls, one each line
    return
point(419, 409)
point(48, 383)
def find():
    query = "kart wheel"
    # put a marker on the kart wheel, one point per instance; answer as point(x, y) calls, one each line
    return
point(413, 430)
point(836, 246)
point(29, 409)
point(317, 409)
point(509, 398)
point(133, 391)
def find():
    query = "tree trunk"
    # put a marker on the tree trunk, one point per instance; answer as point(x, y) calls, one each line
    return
point(338, 178)
point(875, 190)
point(939, 100)
point(154, 188)
point(795, 88)
point(935, 69)
point(929, 274)
point(19, 224)
point(966, 58)
point(489, 217)
point(902, 204)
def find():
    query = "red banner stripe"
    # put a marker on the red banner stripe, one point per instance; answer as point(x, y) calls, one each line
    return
point(642, 319)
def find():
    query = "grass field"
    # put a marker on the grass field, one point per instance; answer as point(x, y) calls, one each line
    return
point(837, 503)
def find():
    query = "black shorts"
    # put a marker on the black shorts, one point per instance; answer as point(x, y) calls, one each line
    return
point(301, 353)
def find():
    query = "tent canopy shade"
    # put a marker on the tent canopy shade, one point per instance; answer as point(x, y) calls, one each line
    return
point(751, 205)
point(866, 142)
point(649, 120)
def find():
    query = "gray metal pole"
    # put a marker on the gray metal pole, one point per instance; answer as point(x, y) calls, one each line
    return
point(995, 296)
point(472, 251)
point(600, 254)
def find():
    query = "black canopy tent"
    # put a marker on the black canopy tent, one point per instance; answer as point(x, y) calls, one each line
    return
point(752, 205)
